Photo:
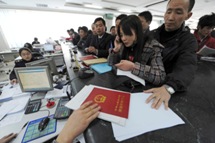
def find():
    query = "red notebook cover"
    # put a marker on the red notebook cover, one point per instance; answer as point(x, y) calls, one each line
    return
point(111, 102)
point(88, 57)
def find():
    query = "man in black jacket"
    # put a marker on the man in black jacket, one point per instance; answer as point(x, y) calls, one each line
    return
point(179, 53)
point(101, 42)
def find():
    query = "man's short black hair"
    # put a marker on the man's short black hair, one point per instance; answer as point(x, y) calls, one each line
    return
point(100, 19)
point(207, 20)
point(112, 27)
point(29, 46)
point(72, 30)
point(84, 28)
point(120, 17)
point(147, 15)
point(191, 4)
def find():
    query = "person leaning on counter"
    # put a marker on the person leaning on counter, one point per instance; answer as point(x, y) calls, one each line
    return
point(179, 54)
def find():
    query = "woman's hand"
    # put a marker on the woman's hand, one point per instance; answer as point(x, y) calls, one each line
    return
point(117, 45)
point(125, 65)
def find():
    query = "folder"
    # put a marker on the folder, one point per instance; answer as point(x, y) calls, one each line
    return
point(206, 51)
point(101, 68)
point(94, 61)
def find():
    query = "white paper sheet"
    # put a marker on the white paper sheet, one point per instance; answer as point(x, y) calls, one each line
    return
point(56, 93)
point(11, 91)
point(11, 119)
point(21, 101)
point(142, 118)
point(130, 75)
point(80, 97)
point(6, 107)
point(79, 139)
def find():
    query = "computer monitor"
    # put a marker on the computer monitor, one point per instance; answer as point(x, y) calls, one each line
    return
point(34, 79)
point(48, 48)
point(45, 62)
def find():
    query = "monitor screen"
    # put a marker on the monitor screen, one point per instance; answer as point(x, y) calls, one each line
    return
point(34, 79)
point(48, 47)
point(45, 62)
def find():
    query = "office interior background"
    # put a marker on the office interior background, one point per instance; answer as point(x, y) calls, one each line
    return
point(21, 21)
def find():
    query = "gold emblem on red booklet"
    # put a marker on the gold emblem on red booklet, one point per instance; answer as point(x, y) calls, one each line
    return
point(100, 98)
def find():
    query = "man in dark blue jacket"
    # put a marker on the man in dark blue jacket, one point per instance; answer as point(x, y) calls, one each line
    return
point(101, 42)
point(179, 55)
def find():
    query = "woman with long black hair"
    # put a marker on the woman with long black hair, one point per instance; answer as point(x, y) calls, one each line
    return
point(140, 53)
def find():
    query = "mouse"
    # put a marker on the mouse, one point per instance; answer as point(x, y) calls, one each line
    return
point(43, 124)
point(85, 73)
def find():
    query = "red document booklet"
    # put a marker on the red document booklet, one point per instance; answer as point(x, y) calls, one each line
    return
point(111, 101)
point(88, 57)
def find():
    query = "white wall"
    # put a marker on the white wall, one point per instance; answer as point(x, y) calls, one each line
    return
point(21, 26)
point(4, 47)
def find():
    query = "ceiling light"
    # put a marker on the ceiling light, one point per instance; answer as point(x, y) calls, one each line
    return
point(41, 5)
point(124, 10)
point(93, 6)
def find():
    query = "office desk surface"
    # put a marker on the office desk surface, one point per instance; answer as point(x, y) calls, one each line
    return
point(196, 107)
point(15, 128)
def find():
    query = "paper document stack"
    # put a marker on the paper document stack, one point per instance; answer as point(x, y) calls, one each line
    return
point(56, 93)
point(142, 118)
point(10, 92)
point(130, 75)
point(209, 59)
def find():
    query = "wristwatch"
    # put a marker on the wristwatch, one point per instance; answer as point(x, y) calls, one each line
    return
point(169, 89)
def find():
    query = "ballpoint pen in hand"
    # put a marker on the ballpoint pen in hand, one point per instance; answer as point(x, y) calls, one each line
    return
point(23, 127)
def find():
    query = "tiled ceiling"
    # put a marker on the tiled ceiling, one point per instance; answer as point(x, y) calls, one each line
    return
point(116, 7)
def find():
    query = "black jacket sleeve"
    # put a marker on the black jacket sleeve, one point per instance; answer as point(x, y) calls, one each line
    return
point(13, 74)
point(186, 64)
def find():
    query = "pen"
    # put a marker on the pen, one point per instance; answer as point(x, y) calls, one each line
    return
point(3, 117)
point(23, 126)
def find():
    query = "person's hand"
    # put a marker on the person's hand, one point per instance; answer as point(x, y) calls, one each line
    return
point(86, 50)
point(159, 95)
point(13, 81)
point(92, 49)
point(78, 122)
point(125, 65)
point(117, 44)
point(8, 138)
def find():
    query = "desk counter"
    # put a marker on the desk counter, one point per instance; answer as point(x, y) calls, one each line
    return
point(196, 107)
